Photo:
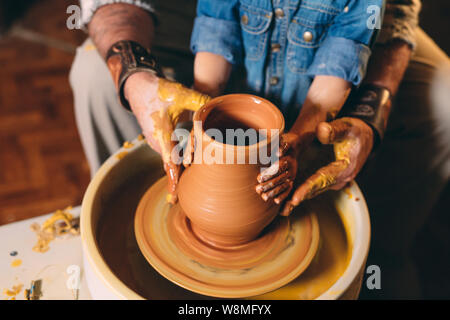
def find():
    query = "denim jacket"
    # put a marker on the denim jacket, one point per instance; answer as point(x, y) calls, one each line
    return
point(401, 17)
point(283, 44)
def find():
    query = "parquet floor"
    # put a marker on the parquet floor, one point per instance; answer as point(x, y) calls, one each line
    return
point(42, 166)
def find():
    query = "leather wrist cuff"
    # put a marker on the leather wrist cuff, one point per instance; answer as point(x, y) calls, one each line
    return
point(371, 104)
point(125, 58)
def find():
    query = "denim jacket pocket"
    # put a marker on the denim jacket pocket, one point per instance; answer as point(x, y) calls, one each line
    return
point(254, 23)
point(304, 37)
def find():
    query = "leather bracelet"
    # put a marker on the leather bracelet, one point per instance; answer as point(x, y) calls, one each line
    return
point(371, 104)
point(125, 58)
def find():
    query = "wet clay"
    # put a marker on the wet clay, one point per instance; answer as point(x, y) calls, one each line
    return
point(123, 256)
point(219, 198)
point(243, 256)
point(330, 262)
point(276, 257)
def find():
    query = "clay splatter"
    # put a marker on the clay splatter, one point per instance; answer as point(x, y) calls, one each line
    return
point(121, 155)
point(16, 263)
point(89, 47)
point(348, 192)
point(128, 145)
point(13, 292)
point(60, 223)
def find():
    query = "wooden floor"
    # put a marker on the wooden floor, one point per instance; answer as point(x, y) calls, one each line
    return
point(42, 166)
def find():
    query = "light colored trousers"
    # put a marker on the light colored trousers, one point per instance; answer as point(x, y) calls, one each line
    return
point(401, 183)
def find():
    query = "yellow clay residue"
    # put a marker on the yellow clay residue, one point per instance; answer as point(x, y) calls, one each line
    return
point(89, 47)
point(342, 149)
point(320, 184)
point(51, 229)
point(13, 292)
point(16, 263)
point(342, 152)
point(121, 155)
point(180, 99)
point(63, 215)
point(325, 180)
point(348, 192)
point(141, 137)
point(128, 145)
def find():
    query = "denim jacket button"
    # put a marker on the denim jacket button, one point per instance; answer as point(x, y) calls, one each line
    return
point(275, 47)
point(279, 13)
point(244, 19)
point(274, 81)
point(307, 36)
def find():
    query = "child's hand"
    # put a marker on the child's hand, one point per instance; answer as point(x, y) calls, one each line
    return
point(276, 181)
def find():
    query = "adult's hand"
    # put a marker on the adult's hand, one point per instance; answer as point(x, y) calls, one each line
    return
point(353, 141)
point(157, 104)
point(324, 100)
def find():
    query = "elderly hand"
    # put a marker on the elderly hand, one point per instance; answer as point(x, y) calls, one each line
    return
point(352, 140)
point(157, 104)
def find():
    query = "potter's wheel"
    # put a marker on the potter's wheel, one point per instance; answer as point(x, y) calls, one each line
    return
point(116, 269)
point(165, 237)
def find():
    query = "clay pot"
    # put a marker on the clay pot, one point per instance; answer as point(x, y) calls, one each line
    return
point(220, 198)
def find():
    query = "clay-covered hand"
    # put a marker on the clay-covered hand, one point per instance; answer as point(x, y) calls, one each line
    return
point(276, 181)
point(157, 104)
point(352, 140)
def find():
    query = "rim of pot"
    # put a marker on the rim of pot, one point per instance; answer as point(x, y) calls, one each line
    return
point(203, 113)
